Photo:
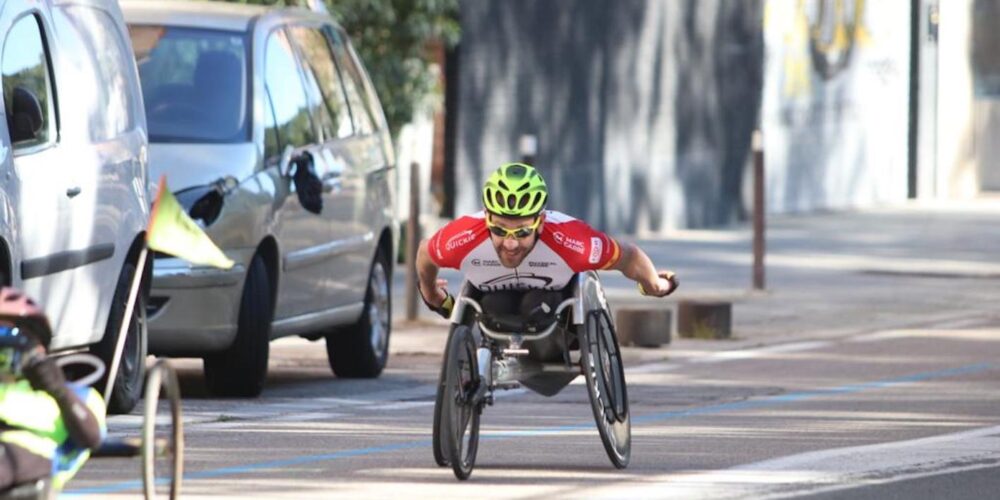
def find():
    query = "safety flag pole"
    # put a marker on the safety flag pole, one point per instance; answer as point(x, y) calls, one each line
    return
point(171, 231)
point(133, 293)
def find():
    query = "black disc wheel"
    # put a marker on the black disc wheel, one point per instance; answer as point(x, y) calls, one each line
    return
point(132, 363)
point(162, 448)
point(459, 413)
point(241, 370)
point(605, 375)
point(440, 454)
point(362, 350)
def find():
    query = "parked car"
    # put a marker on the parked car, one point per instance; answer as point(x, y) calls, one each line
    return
point(270, 134)
point(73, 178)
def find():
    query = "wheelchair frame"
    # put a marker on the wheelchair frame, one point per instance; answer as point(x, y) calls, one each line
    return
point(500, 364)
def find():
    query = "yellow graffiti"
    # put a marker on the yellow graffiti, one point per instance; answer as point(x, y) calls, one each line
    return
point(796, 60)
point(804, 35)
point(840, 42)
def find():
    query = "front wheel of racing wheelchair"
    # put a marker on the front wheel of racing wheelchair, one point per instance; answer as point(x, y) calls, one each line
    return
point(477, 361)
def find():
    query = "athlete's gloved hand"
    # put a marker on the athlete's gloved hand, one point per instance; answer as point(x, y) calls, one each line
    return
point(666, 284)
point(44, 374)
point(446, 305)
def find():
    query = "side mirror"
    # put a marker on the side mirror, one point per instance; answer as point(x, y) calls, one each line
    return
point(308, 185)
point(24, 118)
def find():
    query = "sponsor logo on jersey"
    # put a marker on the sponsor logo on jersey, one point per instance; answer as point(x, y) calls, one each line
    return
point(596, 247)
point(570, 243)
point(459, 239)
point(485, 263)
point(540, 264)
point(516, 281)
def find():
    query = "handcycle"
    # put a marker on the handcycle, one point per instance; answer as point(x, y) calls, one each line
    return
point(160, 448)
point(486, 352)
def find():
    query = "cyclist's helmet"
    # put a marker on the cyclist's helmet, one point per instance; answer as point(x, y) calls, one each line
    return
point(516, 190)
point(23, 325)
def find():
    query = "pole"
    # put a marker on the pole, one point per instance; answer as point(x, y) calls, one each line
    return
point(133, 293)
point(412, 240)
point(758, 210)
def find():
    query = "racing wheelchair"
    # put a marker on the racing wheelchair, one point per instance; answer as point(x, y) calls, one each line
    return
point(160, 445)
point(487, 351)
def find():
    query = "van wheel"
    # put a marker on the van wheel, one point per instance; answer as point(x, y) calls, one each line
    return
point(132, 364)
point(362, 350)
point(240, 370)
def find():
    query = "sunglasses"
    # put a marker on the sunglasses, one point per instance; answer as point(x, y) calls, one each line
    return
point(516, 233)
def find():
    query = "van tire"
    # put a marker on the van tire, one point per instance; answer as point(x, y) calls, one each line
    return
point(240, 370)
point(132, 364)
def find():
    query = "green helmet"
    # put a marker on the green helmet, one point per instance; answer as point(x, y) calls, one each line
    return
point(515, 189)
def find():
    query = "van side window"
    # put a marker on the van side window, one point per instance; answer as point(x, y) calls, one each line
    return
point(319, 66)
point(283, 83)
point(27, 86)
point(99, 56)
point(364, 124)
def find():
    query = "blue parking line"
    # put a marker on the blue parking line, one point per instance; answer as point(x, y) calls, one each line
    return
point(549, 431)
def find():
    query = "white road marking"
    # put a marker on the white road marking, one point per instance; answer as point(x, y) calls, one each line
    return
point(823, 471)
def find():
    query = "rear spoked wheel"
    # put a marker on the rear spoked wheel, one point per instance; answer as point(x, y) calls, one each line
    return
point(459, 413)
point(162, 448)
point(605, 375)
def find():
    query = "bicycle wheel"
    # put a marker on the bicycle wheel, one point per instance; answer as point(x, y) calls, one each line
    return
point(459, 415)
point(605, 375)
point(162, 435)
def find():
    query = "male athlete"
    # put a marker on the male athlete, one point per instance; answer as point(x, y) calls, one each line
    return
point(519, 254)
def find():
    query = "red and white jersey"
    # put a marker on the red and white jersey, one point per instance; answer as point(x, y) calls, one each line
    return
point(565, 247)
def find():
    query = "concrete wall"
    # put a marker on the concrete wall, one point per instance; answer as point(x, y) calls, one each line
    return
point(643, 111)
point(835, 111)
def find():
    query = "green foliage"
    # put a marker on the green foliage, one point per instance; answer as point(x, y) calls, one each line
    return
point(392, 37)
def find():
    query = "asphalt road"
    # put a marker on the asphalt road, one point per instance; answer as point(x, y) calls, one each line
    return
point(895, 414)
point(868, 369)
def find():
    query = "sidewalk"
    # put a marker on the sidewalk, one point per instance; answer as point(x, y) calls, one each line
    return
point(919, 265)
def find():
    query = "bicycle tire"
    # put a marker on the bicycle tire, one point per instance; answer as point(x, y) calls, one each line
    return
point(157, 443)
point(460, 417)
point(440, 454)
point(605, 375)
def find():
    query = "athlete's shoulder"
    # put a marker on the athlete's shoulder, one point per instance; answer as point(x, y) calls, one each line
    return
point(579, 244)
point(455, 240)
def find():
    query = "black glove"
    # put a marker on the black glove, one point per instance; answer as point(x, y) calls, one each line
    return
point(44, 375)
point(444, 310)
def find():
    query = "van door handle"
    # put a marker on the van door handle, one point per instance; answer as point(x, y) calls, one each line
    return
point(73, 191)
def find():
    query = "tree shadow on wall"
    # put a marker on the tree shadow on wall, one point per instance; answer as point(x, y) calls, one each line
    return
point(717, 102)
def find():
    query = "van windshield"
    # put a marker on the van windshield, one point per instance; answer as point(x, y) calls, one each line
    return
point(194, 83)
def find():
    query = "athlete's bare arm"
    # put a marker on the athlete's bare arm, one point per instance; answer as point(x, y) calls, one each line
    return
point(636, 265)
point(432, 288)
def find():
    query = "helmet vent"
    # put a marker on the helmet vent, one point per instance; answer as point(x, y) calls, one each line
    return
point(503, 185)
point(510, 201)
point(523, 186)
point(524, 200)
point(535, 203)
point(499, 198)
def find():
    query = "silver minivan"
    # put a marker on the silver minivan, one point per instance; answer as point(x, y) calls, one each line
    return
point(73, 179)
point(269, 133)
